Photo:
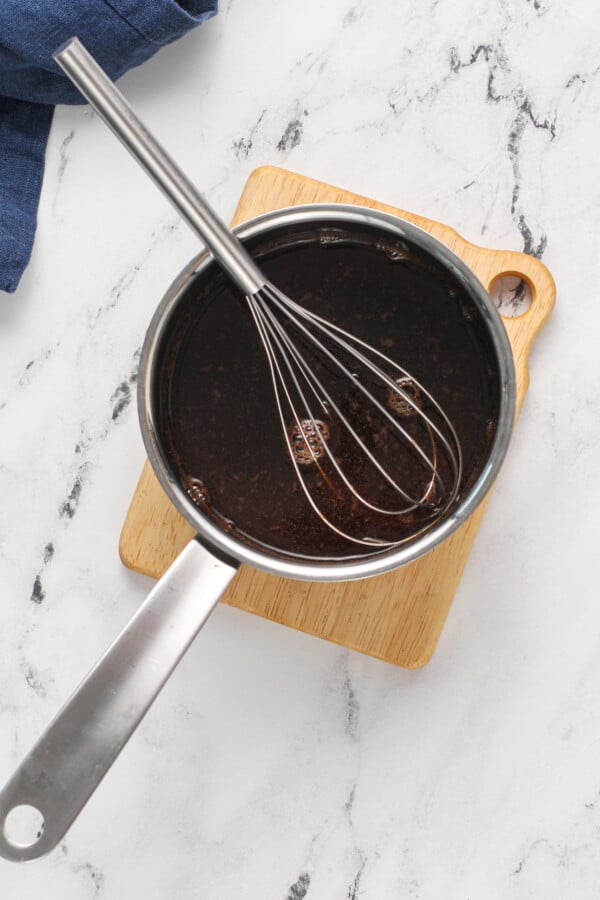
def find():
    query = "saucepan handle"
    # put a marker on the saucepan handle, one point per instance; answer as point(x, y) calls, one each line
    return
point(73, 755)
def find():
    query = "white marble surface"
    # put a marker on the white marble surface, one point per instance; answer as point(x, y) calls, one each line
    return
point(275, 765)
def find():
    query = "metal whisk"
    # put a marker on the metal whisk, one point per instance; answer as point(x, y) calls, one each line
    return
point(413, 423)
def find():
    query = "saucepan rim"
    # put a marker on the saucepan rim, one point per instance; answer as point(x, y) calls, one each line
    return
point(226, 545)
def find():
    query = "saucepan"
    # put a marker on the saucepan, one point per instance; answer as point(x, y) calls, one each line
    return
point(70, 759)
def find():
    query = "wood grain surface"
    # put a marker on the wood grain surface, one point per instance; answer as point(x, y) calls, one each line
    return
point(396, 617)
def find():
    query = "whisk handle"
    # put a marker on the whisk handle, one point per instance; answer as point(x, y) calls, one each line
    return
point(113, 108)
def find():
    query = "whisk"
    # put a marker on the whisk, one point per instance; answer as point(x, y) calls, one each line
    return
point(300, 346)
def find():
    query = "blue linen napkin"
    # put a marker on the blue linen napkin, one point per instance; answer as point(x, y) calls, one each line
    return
point(119, 33)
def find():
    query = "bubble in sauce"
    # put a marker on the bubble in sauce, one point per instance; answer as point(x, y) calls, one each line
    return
point(306, 440)
point(196, 491)
point(400, 403)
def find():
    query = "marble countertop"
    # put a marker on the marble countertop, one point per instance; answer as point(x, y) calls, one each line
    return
point(276, 765)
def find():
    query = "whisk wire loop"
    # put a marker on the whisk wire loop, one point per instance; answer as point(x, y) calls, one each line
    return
point(332, 331)
point(282, 337)
point(292, 374)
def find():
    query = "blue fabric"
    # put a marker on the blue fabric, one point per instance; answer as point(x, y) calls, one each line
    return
point(119, 33)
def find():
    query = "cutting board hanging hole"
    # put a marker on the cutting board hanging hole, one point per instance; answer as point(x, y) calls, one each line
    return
point(512, 294)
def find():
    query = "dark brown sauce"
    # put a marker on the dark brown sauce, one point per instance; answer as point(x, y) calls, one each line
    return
point(218, 420)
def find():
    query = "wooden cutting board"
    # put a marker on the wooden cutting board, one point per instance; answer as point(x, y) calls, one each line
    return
point(397, 617)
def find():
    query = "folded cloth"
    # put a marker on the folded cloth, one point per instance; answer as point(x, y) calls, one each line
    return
point(119, 33)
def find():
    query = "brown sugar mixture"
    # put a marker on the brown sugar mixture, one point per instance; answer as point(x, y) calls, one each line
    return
point(217, 416)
